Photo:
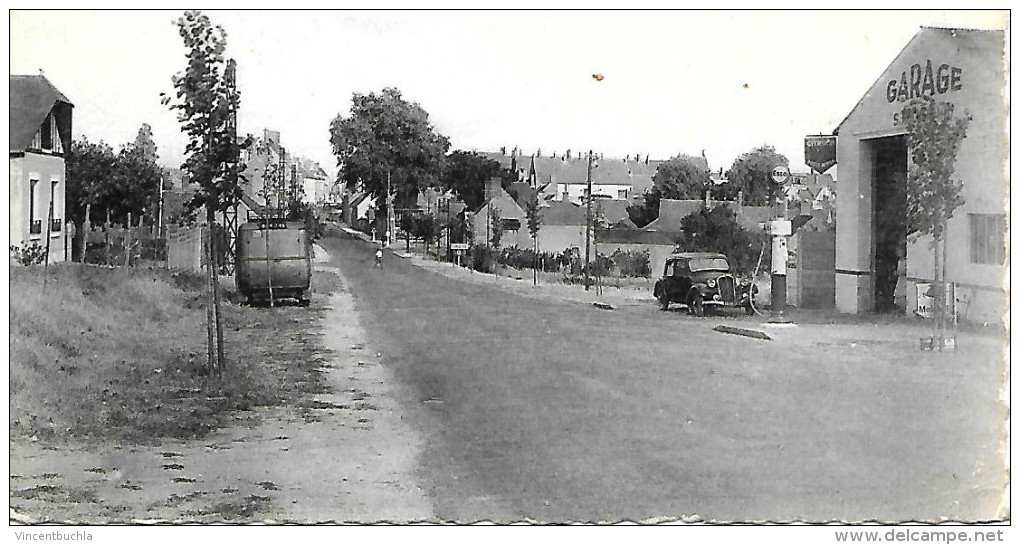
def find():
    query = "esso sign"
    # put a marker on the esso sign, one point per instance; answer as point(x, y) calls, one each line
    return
point(780, 174)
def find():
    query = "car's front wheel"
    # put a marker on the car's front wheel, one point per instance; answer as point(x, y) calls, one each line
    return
point(696, 305)
point(663, 302)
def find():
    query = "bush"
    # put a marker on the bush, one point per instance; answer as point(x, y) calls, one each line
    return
point(630, 263)
point(29, 255)
point(482, 259)
point(717, 230)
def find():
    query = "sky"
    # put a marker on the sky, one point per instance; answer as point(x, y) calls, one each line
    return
point(722, 82)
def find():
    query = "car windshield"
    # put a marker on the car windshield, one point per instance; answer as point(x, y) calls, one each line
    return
point(709, 264)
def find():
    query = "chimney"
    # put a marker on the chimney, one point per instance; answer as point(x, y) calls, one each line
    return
point(708, 198)
point(626, 159)
point(646, 158)
point(502, 150)
point(568, 153)
point(637, 157)
point(538, 152)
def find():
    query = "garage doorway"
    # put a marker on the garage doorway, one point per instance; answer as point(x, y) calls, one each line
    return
point(889, 209)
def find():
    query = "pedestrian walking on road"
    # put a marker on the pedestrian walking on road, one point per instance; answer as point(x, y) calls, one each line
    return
point(378, 258)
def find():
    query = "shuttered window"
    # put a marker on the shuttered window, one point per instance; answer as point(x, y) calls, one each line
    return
point(986, 238)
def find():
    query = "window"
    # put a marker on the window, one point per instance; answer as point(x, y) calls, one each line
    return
point(34, 225)
point(47, 133)
point(986, 238)
point(621, 194)
point(48, 137)
point(709, 264)
point(55, 223)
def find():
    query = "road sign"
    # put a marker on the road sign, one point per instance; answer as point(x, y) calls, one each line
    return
point(780, 174)
point(458, 245)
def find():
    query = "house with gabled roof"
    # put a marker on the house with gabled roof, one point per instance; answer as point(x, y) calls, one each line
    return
point(512, 218)
point(876, 262)
point(565, 176)
point(671, 212)
point(40, 135)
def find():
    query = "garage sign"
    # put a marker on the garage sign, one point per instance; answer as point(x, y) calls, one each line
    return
point(820, 152)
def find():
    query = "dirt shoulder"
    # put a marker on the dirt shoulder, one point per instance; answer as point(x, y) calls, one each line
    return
point(344, 454)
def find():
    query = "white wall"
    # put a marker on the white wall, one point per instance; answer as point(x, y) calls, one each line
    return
point(46, 169)
point(979, 166)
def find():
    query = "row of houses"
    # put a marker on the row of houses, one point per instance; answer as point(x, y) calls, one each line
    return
point(873, 253)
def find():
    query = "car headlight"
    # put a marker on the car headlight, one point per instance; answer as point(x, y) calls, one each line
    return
point(711, 282)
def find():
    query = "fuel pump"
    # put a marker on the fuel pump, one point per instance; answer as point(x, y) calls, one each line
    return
point(780, 229)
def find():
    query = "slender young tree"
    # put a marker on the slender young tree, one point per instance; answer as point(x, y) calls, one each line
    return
point(205, 104)
point(534, 216)
point(934, 134)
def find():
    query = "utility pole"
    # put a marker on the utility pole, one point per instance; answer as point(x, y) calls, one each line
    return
point(390, 220)
point(159, 212)
point(587, 230)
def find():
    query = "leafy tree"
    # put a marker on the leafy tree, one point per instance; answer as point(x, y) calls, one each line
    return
point(466, 173)
point(89, 166)
point(682, 177)
point(717, 230)
point(750, 173)
point(386, 136)
point(144, 143)
point(422, 226)
point(116, 184)
point(495, 226)
point(534, 216)
point(646, 212)
point(934, 134)
point(206, 103)
point(135, 186)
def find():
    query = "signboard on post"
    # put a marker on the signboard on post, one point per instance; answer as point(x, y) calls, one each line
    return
point(780, 174)
point(459, 246)
point(820, 152)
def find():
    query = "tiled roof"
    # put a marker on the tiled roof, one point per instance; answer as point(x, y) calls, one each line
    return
point(635, 236)
point(625, 223)
point(671, 211)
point(563, 213)
point(613, 210)
point(636, 174)
point(31, 99)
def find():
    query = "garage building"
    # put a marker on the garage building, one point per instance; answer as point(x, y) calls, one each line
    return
point(880, 268)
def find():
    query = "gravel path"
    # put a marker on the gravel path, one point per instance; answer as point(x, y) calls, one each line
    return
point(352, 457)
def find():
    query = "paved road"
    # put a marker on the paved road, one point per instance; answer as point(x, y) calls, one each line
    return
point(558, 411)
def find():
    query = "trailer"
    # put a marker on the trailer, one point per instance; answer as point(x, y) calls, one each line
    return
point(274, 261)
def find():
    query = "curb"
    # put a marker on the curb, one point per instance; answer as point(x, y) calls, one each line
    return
point(744, 332)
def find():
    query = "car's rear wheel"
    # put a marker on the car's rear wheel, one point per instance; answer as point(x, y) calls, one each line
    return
point(696, 305)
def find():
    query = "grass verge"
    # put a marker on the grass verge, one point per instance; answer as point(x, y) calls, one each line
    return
point(120, 354)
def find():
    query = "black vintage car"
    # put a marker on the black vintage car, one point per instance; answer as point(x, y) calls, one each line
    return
point(700, 281)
